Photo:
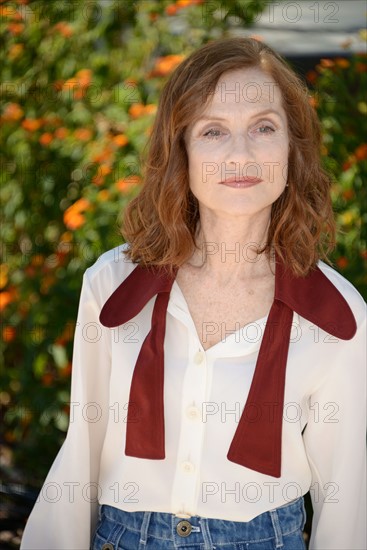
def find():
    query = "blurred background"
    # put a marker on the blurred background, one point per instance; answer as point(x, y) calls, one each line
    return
point(80, 81)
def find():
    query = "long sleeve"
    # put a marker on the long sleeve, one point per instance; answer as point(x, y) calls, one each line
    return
point(335, 444)
point(66, 509)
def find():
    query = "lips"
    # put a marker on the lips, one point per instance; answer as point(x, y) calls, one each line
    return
point(241, 182)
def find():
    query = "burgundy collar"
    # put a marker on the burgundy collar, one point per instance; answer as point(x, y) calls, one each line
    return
point(257, 441)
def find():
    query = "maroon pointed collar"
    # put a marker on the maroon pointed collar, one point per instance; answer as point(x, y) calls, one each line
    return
point(257, 441)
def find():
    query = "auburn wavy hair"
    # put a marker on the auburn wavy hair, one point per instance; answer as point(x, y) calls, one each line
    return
point(160, 222)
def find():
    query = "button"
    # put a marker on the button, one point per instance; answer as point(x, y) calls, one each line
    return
point(187, 467)
point(108, 546)
point(193, 412)
point(184, 528)
point(199, 357)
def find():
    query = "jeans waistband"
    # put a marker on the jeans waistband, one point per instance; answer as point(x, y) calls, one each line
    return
point(273, 524)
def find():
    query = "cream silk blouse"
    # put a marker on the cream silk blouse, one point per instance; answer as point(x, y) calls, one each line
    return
point(323, 426)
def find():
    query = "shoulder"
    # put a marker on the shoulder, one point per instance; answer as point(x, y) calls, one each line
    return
point(348, 291)
point(108, 272)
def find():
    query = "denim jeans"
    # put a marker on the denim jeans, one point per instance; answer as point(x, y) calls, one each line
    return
point(278, 529)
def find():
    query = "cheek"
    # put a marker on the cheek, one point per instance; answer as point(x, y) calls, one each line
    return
point(200, 168)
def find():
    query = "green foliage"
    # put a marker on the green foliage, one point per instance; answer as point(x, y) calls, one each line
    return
point(81, 82)
point(339, 97)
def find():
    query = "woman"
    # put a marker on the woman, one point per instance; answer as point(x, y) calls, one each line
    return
point(218, 370)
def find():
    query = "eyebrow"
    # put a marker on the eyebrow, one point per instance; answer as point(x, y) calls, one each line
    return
point(259, 113)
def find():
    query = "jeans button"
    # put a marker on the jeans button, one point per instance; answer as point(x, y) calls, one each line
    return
point(108, 546)
point(184, 528)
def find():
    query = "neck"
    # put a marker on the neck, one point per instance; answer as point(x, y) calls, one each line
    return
point(227, 247)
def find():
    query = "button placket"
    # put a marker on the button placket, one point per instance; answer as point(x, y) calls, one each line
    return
point(187, 467)
point(193, 412)
point(199, 357)
point(185, 486)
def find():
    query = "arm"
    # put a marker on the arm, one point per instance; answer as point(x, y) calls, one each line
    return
point(335, 444)
point(65, 512)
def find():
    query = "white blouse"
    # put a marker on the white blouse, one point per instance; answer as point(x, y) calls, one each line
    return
point(323, 445)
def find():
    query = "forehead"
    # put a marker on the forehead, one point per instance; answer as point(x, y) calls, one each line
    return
point(245, 87)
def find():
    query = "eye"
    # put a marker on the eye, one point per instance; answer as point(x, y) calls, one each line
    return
point(265, 129)
point(213, 133)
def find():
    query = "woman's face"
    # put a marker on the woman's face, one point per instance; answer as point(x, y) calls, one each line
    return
point(242, 136)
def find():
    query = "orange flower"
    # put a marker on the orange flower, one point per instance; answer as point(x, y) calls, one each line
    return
point(66, 371)
point(6, 298)
point(186, 3)
point(171, 9)
point(104, 155)
point(47, 379)
point(150, 109)
point(348, 194)
point(30, 271)
point(124, 185)
point(84, 134)
point(16, 28)
point(4, 270)
point(38, 260)
point(138, 109)
point(313, 101)
point(131, 81)
point(81, 204)
point(32, 124)
point(66, 334)
point(361, 67)
point(66, 237)
point(74, 220)
point(9, 333)
point(164, 65)
point(70, 84)
point(342, 62)
point(64, 29)
point(103, 195)
point(15, 50)
point(61, 133)
point(53, 120)
point(11, 13)
point(311, 76)
point(347, 164)
point(342, 262)
point(7, 11)
point(120, 140)
point(73, 216)
point(58, 85)
point(12, 112)
point(84, 77)
point(46, 283)
point(46, 138)
point(327, 63)
point(361, 152)
point(103, 170)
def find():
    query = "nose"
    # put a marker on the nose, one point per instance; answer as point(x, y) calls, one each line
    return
point(240, 155)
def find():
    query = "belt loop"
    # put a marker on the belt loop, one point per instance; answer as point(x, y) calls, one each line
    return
point(144, 528)
point(277, 529)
